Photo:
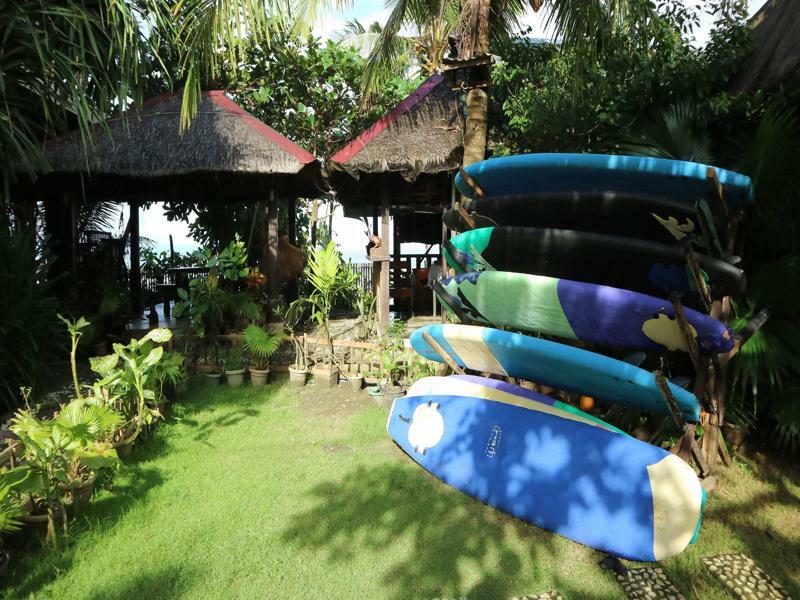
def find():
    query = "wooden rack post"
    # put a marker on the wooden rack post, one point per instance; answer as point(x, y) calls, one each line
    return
point(441, 352)
point(474, 185)
point(688, 429)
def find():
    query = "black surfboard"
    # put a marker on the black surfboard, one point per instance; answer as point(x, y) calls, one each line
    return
point(637, 265)
point(641, 217)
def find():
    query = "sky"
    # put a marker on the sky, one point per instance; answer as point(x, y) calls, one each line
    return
point(349, 233)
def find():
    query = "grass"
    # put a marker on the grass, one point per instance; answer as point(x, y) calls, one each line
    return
point(273, 493)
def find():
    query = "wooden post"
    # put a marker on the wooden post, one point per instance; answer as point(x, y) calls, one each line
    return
point(314, 216)
point(272, 245)
point(382, 303)
point(135, 272)
point(677, 416)
point(291, 219)
point(448, 360)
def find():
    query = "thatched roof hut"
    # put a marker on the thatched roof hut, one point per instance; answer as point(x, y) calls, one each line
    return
point(422, 134)
point(409, 153)
point(226, 154)
point(776, 59)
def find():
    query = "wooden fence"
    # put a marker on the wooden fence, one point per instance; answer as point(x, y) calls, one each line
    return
point(364, 272)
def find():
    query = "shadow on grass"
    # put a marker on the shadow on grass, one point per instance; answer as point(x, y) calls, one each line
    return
point(160, 582)
point(388, 505)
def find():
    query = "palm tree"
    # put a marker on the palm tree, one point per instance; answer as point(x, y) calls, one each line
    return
point(579, 24)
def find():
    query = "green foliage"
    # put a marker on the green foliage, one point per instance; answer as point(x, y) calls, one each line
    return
point(329, 277)
point(75, 329)
point(261, 344)
point(131, 380)
point(154, 264)
point(65, 451)
point(291, 317)
point(398, 363)
point(27, 315)
point(233, 359)
point(579, 99)
point(212, 305)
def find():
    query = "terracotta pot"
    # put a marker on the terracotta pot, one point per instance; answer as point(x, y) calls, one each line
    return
point(79, 495)
point(235, 378)
point(258, 377)
point(297, 377)
point(325, 378)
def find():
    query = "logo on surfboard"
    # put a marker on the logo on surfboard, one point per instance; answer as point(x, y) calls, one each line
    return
point(494, 441)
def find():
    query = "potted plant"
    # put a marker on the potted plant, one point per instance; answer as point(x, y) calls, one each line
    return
point(261, 344)
point(130, 384)
point(365, 304)
point(290, 317)
point(12, 482)
point(65, 452)
point(328, 278)
point(356, 381)
point(234, 367)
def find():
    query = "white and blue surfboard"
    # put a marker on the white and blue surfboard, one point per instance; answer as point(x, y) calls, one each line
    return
point(587, 483)
point(557, 365)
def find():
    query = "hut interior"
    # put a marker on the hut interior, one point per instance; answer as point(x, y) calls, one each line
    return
point(226, 155)
point(399, 173)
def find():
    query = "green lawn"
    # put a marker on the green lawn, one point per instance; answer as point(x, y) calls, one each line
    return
point(274, 493)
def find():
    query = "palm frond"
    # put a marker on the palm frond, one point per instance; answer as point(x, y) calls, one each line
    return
point(677, 131)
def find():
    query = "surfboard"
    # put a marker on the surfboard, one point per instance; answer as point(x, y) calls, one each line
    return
point(556, 365)
point(577, 311)
point(596, 487)
point(502, 391)
point(630, 264)
point(645, 218)
point(630, 175)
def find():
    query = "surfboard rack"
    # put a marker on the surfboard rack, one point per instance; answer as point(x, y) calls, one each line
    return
point(677, 417)
point(465, 216)
point(473, 185)
point(440, 351)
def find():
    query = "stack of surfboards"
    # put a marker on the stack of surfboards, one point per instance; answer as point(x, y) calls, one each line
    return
point(596, 245)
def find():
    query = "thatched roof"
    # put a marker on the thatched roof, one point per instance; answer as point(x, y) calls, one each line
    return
point(422, 134)
point(776, 58)
point(147, 142)
point(226, 154)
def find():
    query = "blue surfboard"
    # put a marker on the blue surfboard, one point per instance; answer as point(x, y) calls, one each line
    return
point(563, 173)
point(596, 487)
point(556, 365)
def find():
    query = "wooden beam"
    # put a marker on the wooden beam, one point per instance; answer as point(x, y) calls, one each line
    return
point(291, 219)
point(382, 303)
point(465, 215)
point(677, 417)
point(697, 276)
point(683, 324)
point(441, 352)
point(272, 245)
point(135, 272)
point(470, 181)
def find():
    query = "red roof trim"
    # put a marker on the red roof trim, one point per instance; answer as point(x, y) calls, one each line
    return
point(353, 147)
point(219, 98)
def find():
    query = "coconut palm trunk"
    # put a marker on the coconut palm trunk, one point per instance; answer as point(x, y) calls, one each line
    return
point(477, 98)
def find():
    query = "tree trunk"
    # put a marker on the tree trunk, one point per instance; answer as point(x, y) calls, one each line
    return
point(475, 127)
point(477, 98)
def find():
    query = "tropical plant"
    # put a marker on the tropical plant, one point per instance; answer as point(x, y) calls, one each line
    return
point(27, 314)
point(13, 482)
point(130, 382)
point(328, 277)
point(209, 309)
point(365, 304)
point(169, 371)
point(65, 451)
point(230, 264)
point(233, 359)
point(260, 344)
point(75, 329)
point(290, 316)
